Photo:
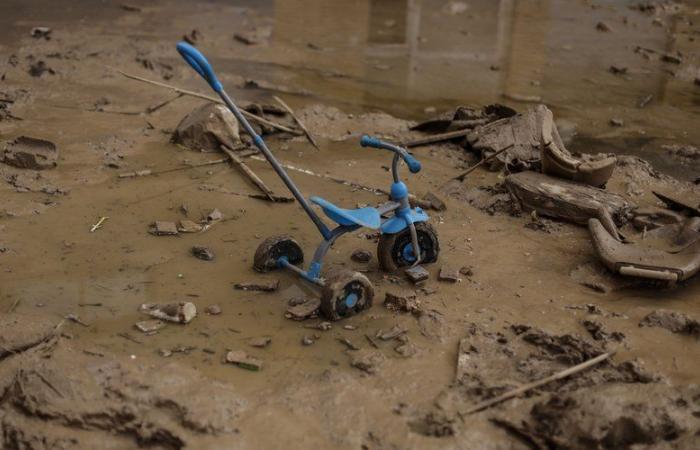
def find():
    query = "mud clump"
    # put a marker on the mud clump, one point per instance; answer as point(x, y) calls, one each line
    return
point(30, 153)
point(611, 417)
point(207, 128)
point(673, 321)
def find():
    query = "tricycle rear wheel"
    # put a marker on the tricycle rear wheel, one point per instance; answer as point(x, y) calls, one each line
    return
point(345, 294)
point(395, 250)
point(273, 248)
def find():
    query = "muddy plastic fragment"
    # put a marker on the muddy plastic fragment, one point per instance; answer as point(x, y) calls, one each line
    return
point(182, 312)
point(213, 310)
point(188, 226)
point(302, 311)
point(673, 321)
point(361, 256)
point(30, 153)
point(163, 228)
point(203, 253)
point(149, 326)
point(417, 274)
point(243, 360)
point(260, 342)
point(402, 303)
point(367, 361)
point(41, 33)
point(207, 128)
point(259, 287)
point(450, 274)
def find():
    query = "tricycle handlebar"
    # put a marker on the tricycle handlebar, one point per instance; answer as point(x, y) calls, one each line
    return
point(200, 64)
point(413, 164)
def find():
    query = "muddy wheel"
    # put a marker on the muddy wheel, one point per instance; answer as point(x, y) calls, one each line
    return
point(395, 250)
point(345, 294)
point(275, 247)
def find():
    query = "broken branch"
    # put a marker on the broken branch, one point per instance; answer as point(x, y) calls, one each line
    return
point(297, 120)
point(252, 176)
point(211, 99)
point(463, 175)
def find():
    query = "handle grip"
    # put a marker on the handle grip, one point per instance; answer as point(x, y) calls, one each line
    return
point(413, 164)
point(199, 63)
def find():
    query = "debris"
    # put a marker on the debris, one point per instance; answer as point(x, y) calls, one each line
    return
point(644, 101)
point(303, 311)
point(261, 287)
point(406, 350)
point(450, 274)
point(192, 37)
point(417, 274)
point(602, 26)
point(30, 153)
point(297, 120)
point(163, 228)
point(323, 326)
point(673, 321)
point(76, 319)
point(393, 333)
point(137, 173)
point(129, 337)
point(207, 128)
point(528, 387)
point(203, 253)
point(686, 153)
point(260, 342)
point(256, 36)
point(150, 326)
point(213, 310)
point(435, 202)
point(182, 312)
point(467, 271)
point(307, 340)
point(616, 122)
point(252, 176)
point(671, 58)
point(243, 360)
point(618, 70)
point(188, 226)
point(39, 68)
point(130, 8)
point(563, 199)
point(214, 216)
point(41, 33)
point(348, 343)
point(450, 135)
point(250, 116)
point(598, 332)
point(399, 303)
point(367, 361)
point(361, 256)
point(98, 225)
point(676, 204)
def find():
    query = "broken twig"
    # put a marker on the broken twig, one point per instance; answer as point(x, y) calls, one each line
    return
point(98, 225)
point(527, 387)
point(211, 99)
point(438, 138)
point(252, 176)
point(297, 121)
point(463, 175)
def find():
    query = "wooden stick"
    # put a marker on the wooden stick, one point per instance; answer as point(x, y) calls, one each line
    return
point(298, 122)
point(251, 116)
point(527, 387)
point(438, 138)
point(249, 173)
point(461, 176)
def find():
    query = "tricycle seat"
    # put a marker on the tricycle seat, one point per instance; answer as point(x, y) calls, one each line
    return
point(364, 217)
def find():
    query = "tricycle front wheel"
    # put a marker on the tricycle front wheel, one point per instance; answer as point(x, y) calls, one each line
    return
point(273, 248)
point(345, 294)
point(396, 250)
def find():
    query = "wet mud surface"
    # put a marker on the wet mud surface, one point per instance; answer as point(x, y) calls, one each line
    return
point(531, 297)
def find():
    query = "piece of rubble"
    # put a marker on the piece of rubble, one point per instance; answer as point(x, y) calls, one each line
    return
point(207, 128)
point(182, 312)
point(305, 310)
point(243, 360)
point(467, 271)
point(188, 226)
point(449, 274)
point(367, 361)
point(41, 32)
point(260, 342)
point(214, 216)
point(30, 153)
point(602, 26)
point(213, 310)
point(163, 228)
point(402, 303)
point(417, 274)
point(435, 202)
point(599, 333)
point(255, 36)
point(323, 326)
point(673, 321)
point(348, 343)
point(361, 256)
point(307, 340)
point(150, 326)
point(406, 350)
point(259, 287)
point(203, 253)
point(394, 333)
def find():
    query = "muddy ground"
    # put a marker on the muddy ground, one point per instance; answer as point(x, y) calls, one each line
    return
point(524, 311)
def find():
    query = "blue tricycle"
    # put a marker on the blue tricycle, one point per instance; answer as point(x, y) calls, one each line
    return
point(406, 238)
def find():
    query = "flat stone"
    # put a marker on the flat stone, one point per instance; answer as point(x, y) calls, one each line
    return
point(361, 256)
point(206, 128)
point(394, 333)
point(260, 342)
point(203, 253)
point(260, 287)
point(213, 310)
point(448, 274)
point(303, 311)
point(367, 361)
point(435, 202)
point(243, 360)
point(417, 274)
point(214, 216)
point(182, 312)
point(150, 326)
point(188, 226)
point(163, 228)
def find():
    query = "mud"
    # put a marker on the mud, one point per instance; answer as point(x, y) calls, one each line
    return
point(345, 69)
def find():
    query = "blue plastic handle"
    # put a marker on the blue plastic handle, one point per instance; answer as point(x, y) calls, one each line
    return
point(413, 164)
point(200, 64)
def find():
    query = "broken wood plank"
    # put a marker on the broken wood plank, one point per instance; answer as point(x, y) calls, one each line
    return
point(297, 121)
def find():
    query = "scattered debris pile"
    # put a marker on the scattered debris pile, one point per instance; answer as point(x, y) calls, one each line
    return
point(30, 153)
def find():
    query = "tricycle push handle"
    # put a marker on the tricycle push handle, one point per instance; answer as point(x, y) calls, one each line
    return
point(200, 64)
point(413, 164)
